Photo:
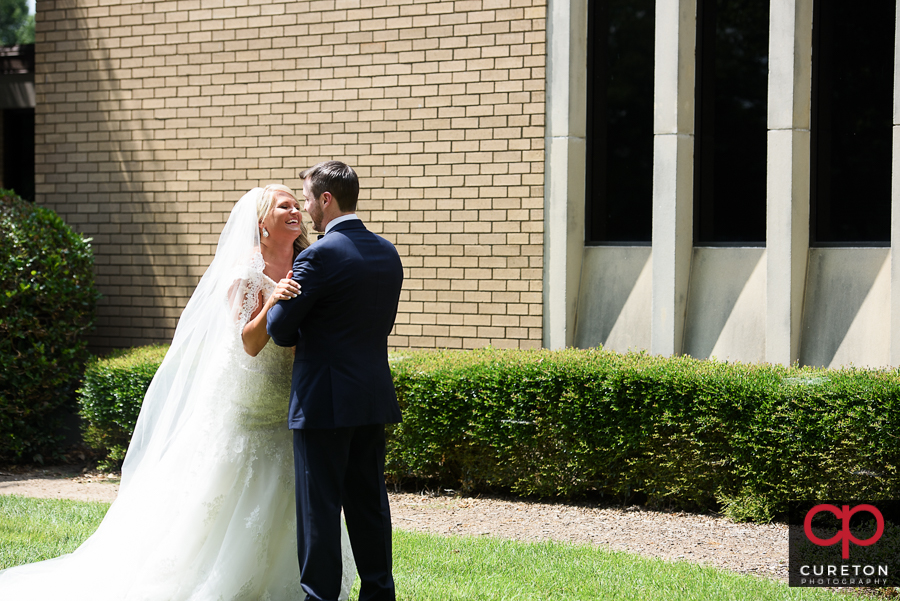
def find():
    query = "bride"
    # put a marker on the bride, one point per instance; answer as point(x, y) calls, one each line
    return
point(205, 509)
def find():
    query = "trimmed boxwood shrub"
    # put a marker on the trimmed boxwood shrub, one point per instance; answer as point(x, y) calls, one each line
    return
point(111, 397)
point(47, 304)
point(671, 431)
point(675, 431)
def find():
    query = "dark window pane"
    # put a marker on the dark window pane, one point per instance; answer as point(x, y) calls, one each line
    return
point(18, 151)
point(730, 140)
point(620, 121)
point(852, 105)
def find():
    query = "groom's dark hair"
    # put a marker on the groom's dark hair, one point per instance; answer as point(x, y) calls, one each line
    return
point(335, 177)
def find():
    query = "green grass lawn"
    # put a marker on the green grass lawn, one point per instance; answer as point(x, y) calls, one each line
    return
point(430, 567)
point(37, 529)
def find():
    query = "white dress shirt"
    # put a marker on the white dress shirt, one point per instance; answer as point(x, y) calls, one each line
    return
point(341, 219)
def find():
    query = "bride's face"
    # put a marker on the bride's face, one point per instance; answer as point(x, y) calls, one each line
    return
point(283, 221)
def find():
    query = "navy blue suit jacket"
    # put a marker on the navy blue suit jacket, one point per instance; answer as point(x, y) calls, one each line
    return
point(350, 283)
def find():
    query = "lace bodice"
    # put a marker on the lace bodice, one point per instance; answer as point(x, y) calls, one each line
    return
point(244, 415)
point(265, 380)
point(259, 386)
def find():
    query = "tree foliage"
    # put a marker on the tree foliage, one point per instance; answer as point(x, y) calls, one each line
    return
point(16, 25)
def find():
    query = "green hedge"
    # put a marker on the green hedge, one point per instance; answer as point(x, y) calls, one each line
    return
point(47, 305)
point(110, 399)
point(670, 431)
point(675, 431)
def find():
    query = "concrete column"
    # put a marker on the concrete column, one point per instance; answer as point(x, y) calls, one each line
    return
point(564, 167)
point(673, 172)
point(787, 185)
point(895, 209)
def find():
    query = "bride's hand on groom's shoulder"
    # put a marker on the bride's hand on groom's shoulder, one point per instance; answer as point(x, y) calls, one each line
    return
point(286, 289)
point(254, 334)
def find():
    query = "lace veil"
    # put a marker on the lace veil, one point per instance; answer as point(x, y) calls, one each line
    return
point(224, 300)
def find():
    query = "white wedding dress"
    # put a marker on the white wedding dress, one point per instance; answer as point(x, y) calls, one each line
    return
point(205, 511)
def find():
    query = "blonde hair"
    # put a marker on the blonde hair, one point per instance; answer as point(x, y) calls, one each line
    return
point(266, 203)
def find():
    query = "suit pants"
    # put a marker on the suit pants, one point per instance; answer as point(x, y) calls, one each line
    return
point(334, 468)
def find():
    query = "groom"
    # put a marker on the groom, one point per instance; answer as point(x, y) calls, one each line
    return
point(342, 392)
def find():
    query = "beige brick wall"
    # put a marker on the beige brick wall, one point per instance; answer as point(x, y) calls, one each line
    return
point(153, 117)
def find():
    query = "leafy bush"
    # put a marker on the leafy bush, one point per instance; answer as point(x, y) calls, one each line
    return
point(675, 431)
point(47, 303)
point(669, 431)
point(111, 398)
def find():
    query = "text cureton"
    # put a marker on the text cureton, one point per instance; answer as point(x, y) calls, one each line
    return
point(843, 570)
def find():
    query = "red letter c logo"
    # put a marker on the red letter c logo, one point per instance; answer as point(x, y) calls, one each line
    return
point(844, 515)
